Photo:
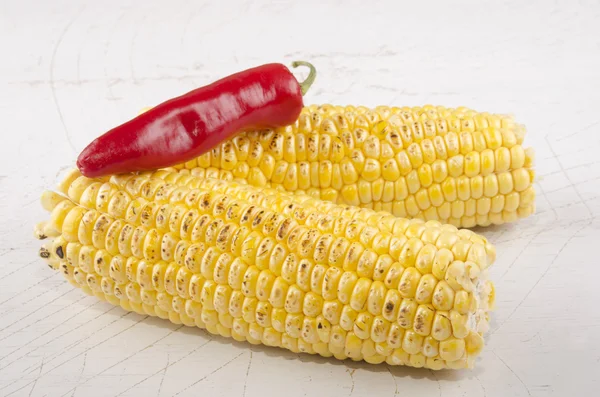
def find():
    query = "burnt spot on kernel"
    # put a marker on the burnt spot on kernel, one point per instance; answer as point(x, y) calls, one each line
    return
point(44, 253)
point(258, 218)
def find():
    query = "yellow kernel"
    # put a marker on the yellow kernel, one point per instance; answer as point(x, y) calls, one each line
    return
point(435, 195)
point(353, 346)
point(476, 186)
point(430, 346)
point(428, 151)
point(426, 286)
point(456, 166)
point(517, 157)
point(372, 147)
point(332, 311)
point(424, 319)
point(511, 202)
point(264, 283)
point(348, 172)
point(350, 195)
point(395, 336)
point(440, 147)
point(487, 162)
point(502, 159)
point(509, 139)
point(442, 328)
point(362, 325)
point(444, 211)
point(390, 171)
point(294, 300)
point(404, 163)
point(372, 170)
point(521, 179)
point(505, 183)
point(493, 138)
point(425, 175)
point(366, 263)
point(409, 282)
point(406, 313)
point(422, 199)
point(325, 173)
point(376, 297)
point(313, 304)
point(452, 349)
point(466, 142)
point(278, 292)
point(443, 296)
point(391, 305)
point(452, 143)
point(412, 342)
point(354, 253)
point(358, 160)
point(364, 191)
point(413, 182)
point(474, 343)
point(379, 332)
point(388, 192)
point(472, 164)
point(336, 178)
point(449, 189)
point(346, 286)
point(439, 170)
point(460, 324)
point(348, 318)
point(415, 155)
point(527, 197)
point(484, 205)
point(463, 186)
point(479, 141)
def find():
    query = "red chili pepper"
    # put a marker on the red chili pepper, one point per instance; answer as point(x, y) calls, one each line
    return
point(187, 126)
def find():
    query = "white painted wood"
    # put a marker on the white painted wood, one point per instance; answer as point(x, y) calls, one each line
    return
point(72, 69)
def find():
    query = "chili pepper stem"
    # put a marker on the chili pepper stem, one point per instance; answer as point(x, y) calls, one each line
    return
point(305, 85)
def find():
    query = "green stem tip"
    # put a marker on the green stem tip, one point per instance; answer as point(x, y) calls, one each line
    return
point(305, 85)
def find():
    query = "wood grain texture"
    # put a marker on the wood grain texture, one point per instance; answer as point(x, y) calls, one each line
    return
point(72, 69)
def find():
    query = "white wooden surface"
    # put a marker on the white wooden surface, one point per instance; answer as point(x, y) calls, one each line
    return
point(71, 69)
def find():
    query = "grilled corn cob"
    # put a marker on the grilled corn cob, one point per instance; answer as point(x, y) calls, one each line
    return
point(265, 266)
point(456, 166)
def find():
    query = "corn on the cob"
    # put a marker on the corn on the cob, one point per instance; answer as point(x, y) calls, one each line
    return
point(456, 166)
point(264, 266)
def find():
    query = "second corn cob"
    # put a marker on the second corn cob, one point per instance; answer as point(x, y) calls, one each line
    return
point(263, 266)
point(456, 166)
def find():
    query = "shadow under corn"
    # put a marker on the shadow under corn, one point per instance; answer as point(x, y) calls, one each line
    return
point(397, 371)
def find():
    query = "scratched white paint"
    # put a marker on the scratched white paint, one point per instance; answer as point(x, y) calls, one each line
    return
point(72, 69)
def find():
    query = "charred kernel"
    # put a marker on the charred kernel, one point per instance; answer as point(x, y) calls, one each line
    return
point(44, 252)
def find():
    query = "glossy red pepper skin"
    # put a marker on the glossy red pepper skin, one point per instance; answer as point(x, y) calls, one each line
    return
point(189, 125)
